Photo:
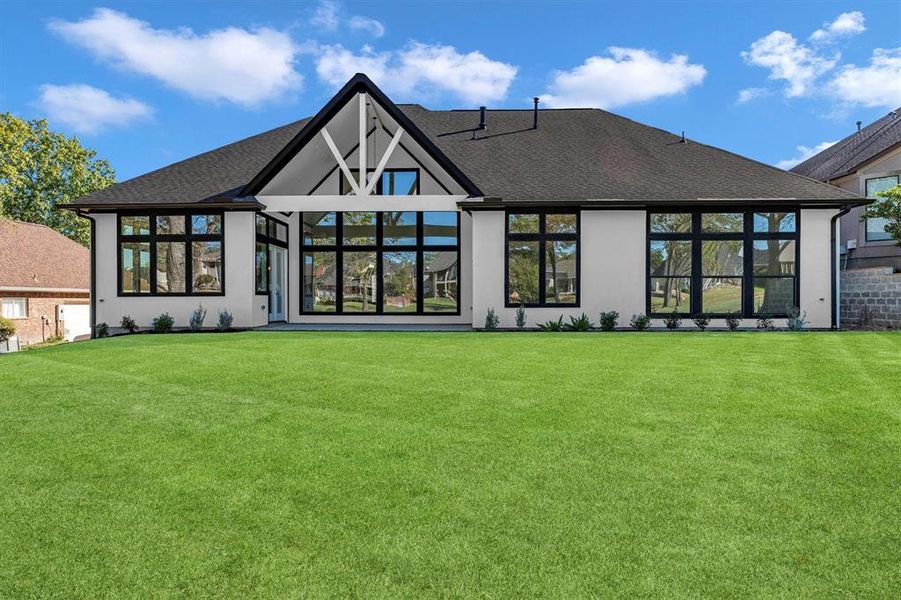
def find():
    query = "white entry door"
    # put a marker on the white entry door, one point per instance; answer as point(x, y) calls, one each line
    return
point(278, 262)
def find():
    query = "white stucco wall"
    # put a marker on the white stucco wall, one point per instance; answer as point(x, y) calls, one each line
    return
point(613, 263)
point(239, 298)
point(815, 268)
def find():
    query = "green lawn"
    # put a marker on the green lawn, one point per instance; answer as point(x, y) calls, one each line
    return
point(453, 464)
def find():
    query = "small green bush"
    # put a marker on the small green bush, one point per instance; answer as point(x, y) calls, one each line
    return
point(225, 320)
point(7, 329)
point(521, 317)
point(797, 321)
point(764, 321)
point(640, 322)
point(128, 324)
point(701, 322)
point(733, 321)
point(163, 323)
point(491, 320)
point(54, 339)
point(102, 330)
point(608, 320)
point(197, 317)
point(673, 320)
point(582, 323)
point(552, 325)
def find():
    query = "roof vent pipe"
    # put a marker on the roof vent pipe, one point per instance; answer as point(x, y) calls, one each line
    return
point(482, 124)
point(535, 113)
point(859, 123)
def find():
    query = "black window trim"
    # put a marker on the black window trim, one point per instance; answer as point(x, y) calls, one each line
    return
point(153, 238)
point(377, 190)
point(542, 237)
point(379, 248)
point(866, 230)
point(265, 238)
point(748, 236)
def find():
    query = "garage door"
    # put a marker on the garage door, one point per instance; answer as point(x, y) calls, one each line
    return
point(76, 320)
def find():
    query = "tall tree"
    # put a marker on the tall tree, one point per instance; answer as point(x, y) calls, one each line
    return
point(41, 169)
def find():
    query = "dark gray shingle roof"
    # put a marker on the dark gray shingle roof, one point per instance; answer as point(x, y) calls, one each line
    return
point(574, 155)
point(848, 155)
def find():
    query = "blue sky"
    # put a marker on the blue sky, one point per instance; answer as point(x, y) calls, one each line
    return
point(149, 83)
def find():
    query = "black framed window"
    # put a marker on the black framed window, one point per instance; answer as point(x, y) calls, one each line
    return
point(542, 258)
point(875, 227)
point(171, 253)
point(722, 262)
point(269, 232)
point(368, 262)
point(392, 182)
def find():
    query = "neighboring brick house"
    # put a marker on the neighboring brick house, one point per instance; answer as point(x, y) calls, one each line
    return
point(41, 270)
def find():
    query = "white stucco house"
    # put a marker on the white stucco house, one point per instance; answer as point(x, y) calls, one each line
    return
point(563, 211)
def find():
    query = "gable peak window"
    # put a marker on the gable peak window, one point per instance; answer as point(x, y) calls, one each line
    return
point(392, 182)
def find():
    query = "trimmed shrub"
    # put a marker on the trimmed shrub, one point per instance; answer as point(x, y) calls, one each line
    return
point(701, 322)
point(491, 320)
point(582, 323)
point(552, 325)
point(797, 321)
point(102, 330)
point(765, 322)
point(197, 317)
point(225, 320)
point(128, 324)
point(608, 320)
point(673, 320)
point(163, 323)
point(640, 322)
point(521, 317)
point(7, 329)
point(733, 321)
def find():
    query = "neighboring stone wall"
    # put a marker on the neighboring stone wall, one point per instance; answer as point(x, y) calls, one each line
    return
point(871, 297)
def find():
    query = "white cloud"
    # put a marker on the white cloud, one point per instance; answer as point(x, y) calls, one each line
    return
point(628, 76)
point(87, 109)
point(804, 152)
point(421, 71)
point(329, 16)
point(232, 64)
point(326, 15)
point(878, 84)
point(367, 24)
point(846, 24)
point(788, 60)
point(748, 94)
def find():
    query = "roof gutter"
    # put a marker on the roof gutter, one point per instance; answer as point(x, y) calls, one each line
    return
point(237, 204)
point(43, 290)
point(835, 250)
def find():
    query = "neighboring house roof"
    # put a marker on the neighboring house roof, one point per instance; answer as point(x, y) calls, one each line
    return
point(575, 155)
point(36, 256)
point(859, 148)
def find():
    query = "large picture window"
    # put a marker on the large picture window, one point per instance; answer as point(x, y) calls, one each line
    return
point(380, 262)
point(542, 258)
point(722, 263)
point(171, 254)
